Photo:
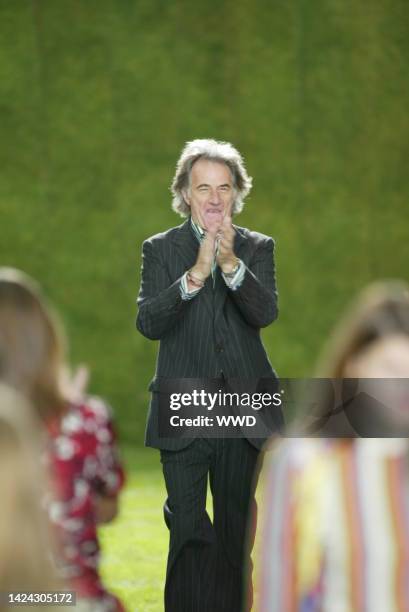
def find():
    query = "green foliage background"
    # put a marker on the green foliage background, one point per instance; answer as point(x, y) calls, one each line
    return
point(97, 98)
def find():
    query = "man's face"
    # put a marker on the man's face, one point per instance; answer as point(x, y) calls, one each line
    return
point(211, 193)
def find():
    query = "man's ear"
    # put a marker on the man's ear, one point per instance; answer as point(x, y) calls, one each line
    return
point(185, 196)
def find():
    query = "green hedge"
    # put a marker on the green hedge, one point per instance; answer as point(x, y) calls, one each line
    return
point(99, 96)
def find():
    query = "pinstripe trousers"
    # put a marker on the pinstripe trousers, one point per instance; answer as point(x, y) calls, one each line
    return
point(208, 562)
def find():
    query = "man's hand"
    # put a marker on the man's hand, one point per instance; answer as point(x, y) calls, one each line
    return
point(203, 266)
point(226, 258)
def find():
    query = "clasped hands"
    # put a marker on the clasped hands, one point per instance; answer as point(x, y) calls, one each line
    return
point(225, 257)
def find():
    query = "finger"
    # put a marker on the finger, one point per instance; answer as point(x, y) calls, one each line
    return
point(213, 230)
point(209, 242)
point(225, 222)
point(227, 237)
point(225, 246)
point(80, 379)
point(227, 230)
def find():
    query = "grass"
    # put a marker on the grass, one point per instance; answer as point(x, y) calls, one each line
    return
point(135, 545)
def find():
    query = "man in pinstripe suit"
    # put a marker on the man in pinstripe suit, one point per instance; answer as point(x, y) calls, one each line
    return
point(207, 288)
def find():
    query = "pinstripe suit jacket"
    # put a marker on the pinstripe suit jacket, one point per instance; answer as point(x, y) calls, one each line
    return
point(216, 331)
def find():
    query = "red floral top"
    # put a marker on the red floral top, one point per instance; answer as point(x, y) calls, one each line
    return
point(83, 462)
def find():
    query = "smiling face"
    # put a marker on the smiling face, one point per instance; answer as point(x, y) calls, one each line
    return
point(211, 193)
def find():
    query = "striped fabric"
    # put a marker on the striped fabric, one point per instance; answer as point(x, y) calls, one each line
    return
point(207, 559)
point(333, 533)
point(214, 335)
point(216, 332)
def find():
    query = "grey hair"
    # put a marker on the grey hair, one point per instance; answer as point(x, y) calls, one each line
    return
point(212, 150)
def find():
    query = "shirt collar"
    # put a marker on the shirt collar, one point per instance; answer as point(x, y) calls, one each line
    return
point(197, 230)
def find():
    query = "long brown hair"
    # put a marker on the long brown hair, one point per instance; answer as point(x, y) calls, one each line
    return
point(32, 343)
point(25, 543)
point(381, 309)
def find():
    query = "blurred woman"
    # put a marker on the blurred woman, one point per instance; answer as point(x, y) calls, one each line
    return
point(365, 358)
point(334, 532)
point(81, 454)
point(25, 548)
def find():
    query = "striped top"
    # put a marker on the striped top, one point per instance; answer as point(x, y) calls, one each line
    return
point(333, 530)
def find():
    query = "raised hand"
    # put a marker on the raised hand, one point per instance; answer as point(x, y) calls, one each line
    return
point(75, 385)
point(203, 266)
point(226, 258)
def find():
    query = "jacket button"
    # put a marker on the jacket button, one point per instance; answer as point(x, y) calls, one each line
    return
point(219, 348)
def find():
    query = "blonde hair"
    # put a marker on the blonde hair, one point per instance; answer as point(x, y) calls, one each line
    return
point(25, 547)
point(206, 148)
point(32, 344)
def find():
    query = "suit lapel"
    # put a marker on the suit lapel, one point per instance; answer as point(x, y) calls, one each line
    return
point(187, 247)
point(240, 241)
point(221, 287)
point(220, 293)
point(186, 244)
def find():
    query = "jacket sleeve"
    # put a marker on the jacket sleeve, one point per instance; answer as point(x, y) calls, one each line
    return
point(160, 304)
point(256, 297)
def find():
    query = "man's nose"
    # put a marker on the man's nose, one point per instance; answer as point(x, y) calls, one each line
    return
point(215, 198)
